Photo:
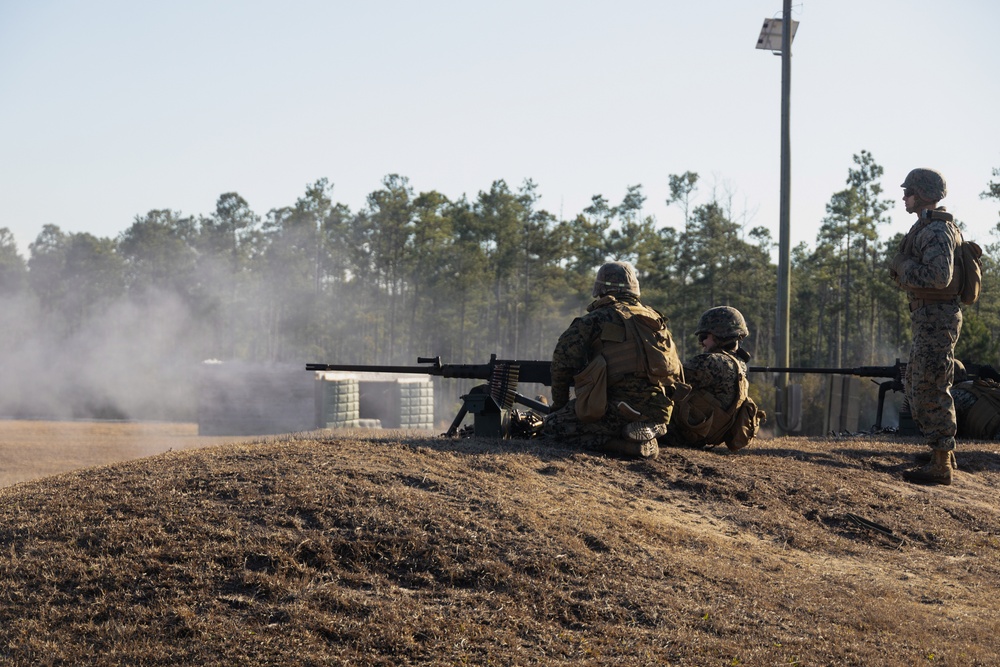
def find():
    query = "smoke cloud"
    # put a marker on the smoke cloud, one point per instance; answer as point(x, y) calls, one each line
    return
point(137, 360)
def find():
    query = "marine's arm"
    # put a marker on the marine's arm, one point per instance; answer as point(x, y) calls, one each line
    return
point(568, 359)
point(935, 247)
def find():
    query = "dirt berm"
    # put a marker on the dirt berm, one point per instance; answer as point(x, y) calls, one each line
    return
point(390, 549)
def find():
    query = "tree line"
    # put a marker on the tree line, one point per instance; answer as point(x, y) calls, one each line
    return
point(413, 274)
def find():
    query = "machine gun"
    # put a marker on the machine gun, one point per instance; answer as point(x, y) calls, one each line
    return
point(491, 404)
point(980, 372)
point(895, 373)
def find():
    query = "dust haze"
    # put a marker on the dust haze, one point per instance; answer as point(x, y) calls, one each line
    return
point(137, 360)
point(148, 359)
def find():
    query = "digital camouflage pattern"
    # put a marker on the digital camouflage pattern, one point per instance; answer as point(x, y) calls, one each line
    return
point(925, 264)
point(572, 353)
point(563, 425)
point(710, 374)
point(931, 371)
point(929, 184)
point(924, 267)
point(716, 373)
point(723, 322)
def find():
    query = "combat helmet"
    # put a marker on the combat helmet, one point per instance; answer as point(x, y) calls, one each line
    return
point(616, 278)
point(927, 183)
point(723, 322)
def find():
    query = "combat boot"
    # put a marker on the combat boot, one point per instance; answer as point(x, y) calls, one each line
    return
point(925, 457)
point(938, 471)
point(639, 431)
point(644, 449)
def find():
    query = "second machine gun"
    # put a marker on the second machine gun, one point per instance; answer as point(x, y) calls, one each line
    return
point(895, 373)
point(491, 404)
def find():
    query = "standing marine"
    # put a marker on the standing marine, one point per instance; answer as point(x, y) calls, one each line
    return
point(924, 267)
point(621, 360)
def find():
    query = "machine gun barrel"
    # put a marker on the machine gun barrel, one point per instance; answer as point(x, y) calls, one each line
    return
point(895, 374)
point(528, 371)
point(860, 371)
point(475, 371)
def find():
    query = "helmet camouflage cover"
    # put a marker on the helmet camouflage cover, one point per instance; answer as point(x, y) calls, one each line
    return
point(616, 278)
point(928, 183)
point(723, 322)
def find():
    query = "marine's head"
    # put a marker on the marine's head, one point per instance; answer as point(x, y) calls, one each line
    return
point(616, 278)
point(724, 323)
point(927, 185)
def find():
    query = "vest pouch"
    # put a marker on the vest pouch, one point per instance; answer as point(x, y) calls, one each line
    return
point(748, 420)
point(612, 333)
point(591, 387)
point(662, 362)
point(694, 413)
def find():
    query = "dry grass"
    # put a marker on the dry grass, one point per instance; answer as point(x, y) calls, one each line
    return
point(354, 549)
point(33, 449)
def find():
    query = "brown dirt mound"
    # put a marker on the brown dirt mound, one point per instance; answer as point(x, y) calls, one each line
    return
point(348, 549)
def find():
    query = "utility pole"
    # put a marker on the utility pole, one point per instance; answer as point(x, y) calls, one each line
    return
point(784, 249)
point(782, 334)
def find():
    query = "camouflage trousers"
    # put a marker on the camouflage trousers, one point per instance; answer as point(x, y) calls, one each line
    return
point(563, 424)
point(931, 370)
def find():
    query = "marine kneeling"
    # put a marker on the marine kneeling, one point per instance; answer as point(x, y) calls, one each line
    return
point(622, 363)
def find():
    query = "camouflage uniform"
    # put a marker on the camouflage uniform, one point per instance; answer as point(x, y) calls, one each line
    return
point(924, 267)
point(715, 377)
point(930, 372)
point(572, 353)
point(716, 373)
point(646, 393)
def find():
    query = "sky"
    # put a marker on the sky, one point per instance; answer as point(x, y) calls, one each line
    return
point(110, 109)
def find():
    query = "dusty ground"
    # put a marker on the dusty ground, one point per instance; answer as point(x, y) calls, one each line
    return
point(390, 549)
point(33, 449)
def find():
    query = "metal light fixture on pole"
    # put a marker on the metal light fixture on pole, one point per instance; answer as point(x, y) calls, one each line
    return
point(777, 37)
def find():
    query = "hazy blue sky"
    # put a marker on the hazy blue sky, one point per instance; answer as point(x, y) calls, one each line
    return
point(109, 109)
